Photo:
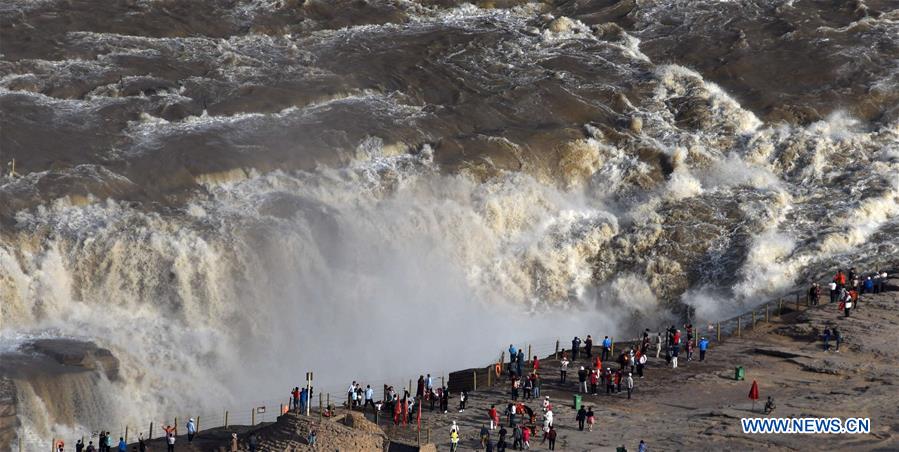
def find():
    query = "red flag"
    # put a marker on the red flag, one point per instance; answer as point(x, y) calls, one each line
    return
point(754, 392)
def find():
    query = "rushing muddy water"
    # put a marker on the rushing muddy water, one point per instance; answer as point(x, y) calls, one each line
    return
point(229, 193)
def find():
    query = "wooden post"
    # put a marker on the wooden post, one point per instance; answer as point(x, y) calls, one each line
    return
point(175, 425)
point(489, 376)
point(150, 434)
point(767, 316)
point(328, 398)
point(557, 349)
point(198, 423)
point(320, 408)
point(611, 349)
point(410, 387)
point(442, 385)
point(718, 331)
point(739, 326)
point(253, 416)
point(527, 359)
point(474, 380)
point(53, 445)
point(502, 357)
point(126, 434)
point(226, 418)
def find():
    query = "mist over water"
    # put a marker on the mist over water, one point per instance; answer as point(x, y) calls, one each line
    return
point(377, 190)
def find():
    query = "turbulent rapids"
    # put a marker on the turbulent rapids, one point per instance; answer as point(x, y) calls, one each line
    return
point(228, 193)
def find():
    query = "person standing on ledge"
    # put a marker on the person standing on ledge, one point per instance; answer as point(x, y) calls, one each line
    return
point(563, 368)
point(834, 293)
point(494, 417)
point(606, 348)
point(551, 436)
point(191, 430)
point(629, 383)
point(519, 362)
point(703, 346)
point(837, 337)
point(575, 346)
point(658, 344)
point(588, 347)
point(581, 418)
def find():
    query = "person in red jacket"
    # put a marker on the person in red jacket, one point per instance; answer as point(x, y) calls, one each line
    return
point(494, 417)
point(536, 363)
point(840, 279)
point(594, 381)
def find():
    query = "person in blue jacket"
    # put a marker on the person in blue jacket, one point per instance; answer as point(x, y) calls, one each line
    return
point(703, 346)
point(606, 348)
point(122, 446)
point(191, 430)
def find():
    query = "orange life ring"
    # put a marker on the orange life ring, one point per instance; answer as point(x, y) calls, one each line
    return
point(498, 368)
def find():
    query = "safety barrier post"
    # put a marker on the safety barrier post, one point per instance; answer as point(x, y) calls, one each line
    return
point(797, 302)
point(176, 426)
point(474, 380)
point(226, 418)
point(739, 326)
point(557, 349)
point(252, 416)
point(527, 359)
point(767, 317)
point(150, 434)
point(309, 377)
point(198, 423)
point(126, 434)
point(320, 408)
point(489, 376)
point(718, 331)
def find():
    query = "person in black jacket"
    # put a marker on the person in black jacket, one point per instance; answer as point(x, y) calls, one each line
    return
point(581, 418)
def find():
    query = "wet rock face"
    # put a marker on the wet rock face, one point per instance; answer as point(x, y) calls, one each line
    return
point(8, 422)
point(59, 371)
point(57, 356)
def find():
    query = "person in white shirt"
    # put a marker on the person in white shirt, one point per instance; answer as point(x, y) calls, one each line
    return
point(563, 368)
point(834, 293)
